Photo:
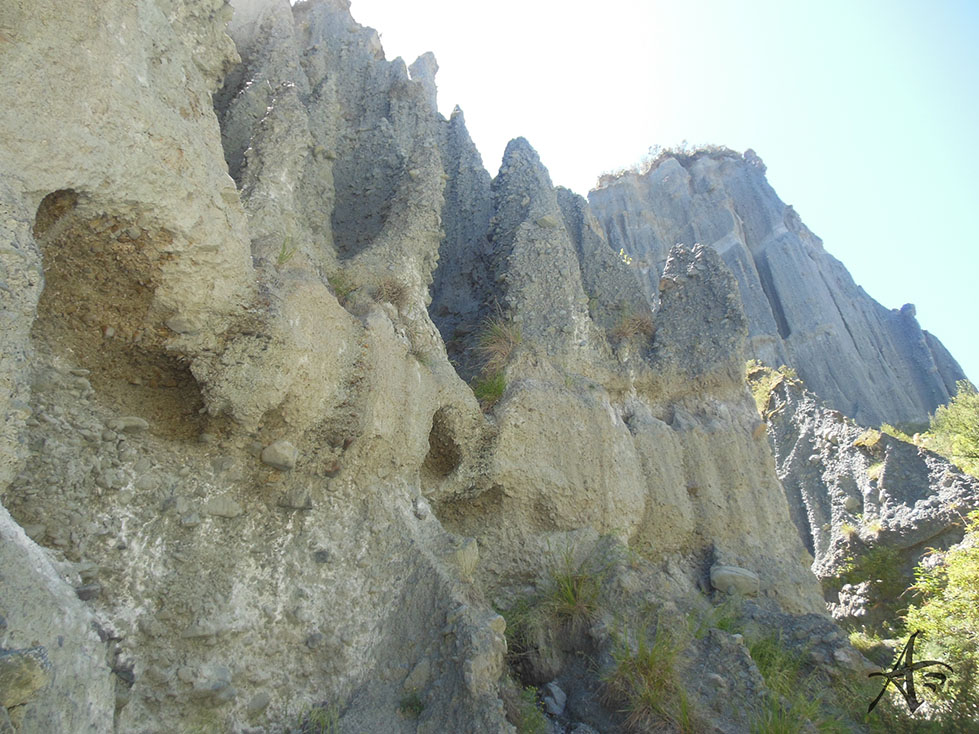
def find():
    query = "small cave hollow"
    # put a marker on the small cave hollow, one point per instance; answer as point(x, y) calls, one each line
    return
point(100, 274)
point(444, 455)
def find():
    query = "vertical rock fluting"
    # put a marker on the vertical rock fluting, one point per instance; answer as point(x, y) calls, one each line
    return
point(803, 308)
point(232, 428)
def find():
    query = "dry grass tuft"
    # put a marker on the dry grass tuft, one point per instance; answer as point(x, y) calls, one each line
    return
point(634, 326)
point(496, 343)
point(393, 291)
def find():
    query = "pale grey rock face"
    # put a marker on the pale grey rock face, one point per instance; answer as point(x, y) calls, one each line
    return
point(52, 663)
point(190, 321)
point(851, 489)
point(803, 308)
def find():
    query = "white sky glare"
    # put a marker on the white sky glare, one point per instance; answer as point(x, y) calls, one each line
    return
point(866, 113)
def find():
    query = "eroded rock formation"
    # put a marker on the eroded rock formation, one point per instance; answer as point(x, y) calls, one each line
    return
point(804, 310)
point(245, 473)
point(855, 491)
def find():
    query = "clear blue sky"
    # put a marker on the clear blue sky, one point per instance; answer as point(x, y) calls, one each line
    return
point(865, 112)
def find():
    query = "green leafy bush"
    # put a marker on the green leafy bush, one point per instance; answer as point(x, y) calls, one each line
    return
point(947, 614)
point(411, 705)
point(523, 709)
point(954, 430)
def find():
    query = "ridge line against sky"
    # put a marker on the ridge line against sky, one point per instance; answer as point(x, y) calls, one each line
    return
point(865, 113)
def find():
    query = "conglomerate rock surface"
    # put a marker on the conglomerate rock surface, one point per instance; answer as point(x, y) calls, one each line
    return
point(246, 270)
point(804, 310)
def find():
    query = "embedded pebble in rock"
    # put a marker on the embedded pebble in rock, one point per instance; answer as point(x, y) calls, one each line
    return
point(128, 424)
point(223, 506)
point(281, 455)
point(734, 580)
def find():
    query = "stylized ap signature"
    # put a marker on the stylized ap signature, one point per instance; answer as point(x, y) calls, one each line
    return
point(933, 681)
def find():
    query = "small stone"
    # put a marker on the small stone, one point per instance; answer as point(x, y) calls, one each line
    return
point(147, 483)
point(108, 332)
point(186, 674)
point(108, 435)
point(223, 506)
point(548, 222)
point(314, 640)
point(321, 556)
point(555, 700)
point(851, 503)
point(296, 498)
point(222, 464)
point(207, 438)
point(258, 703)
point(87, 592)
point(128, 424)
point(734, 580)
point(281, 455)
point(182, 325)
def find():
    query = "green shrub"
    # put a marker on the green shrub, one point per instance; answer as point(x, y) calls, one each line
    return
point(947, 614)
point(881, 566)
point(411, 705)
point(762, 380)
point(954, 430)
point(488, 390)
point(523, 710)
point(868, 439)
point(897, 433)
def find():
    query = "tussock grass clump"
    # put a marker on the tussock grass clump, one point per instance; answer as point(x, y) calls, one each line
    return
point(392, 290)
point(342, 285)
point(644, 685)
point(875, 470)
point(572, 592)
point(495, 344)
point(320, 719)
point(763, 379)
point(489, 390)
point(868, 439)
point(633, 327)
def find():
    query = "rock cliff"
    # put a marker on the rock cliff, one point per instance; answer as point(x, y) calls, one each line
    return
point(855, 492)
point(804, 310)
point(248, 272)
